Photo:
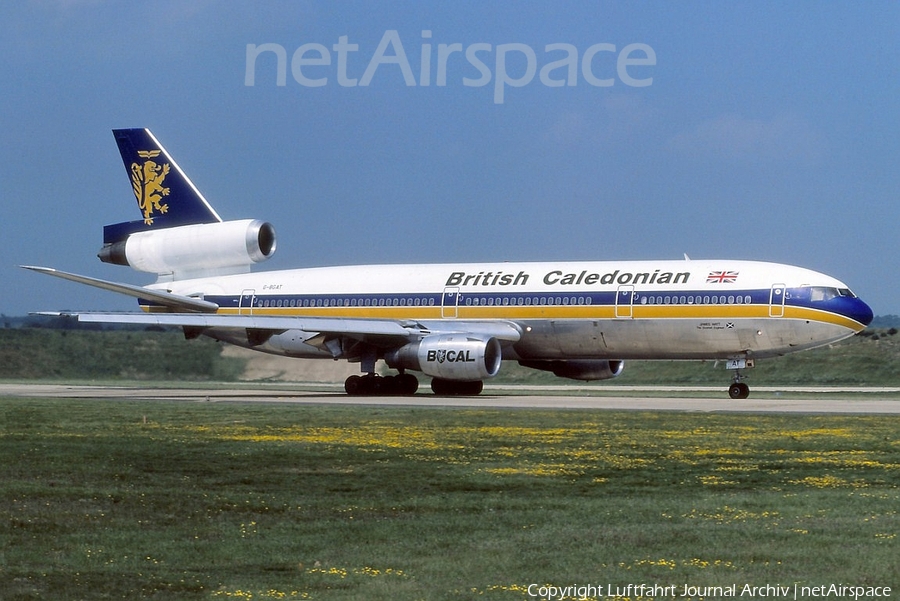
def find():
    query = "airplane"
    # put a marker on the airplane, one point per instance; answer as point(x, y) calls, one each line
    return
point(453, 322)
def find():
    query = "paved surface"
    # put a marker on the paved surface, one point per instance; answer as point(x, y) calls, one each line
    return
point(790, 400)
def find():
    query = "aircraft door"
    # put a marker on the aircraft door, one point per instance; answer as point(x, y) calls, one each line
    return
point(450, 303)
point(776, 300)
point(245, 306)
point(625, 301)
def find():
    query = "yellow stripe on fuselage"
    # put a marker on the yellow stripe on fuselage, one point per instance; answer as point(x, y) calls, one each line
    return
point(552, 312)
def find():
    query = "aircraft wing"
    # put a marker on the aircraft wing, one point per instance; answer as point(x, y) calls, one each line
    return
point(360, 329)
point(324, 332)
point(196, 315)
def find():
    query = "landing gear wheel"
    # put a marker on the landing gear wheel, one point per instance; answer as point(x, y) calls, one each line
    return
point(367, 385)
point(353, 385)
point(407, 384)
point(375, 385)
point(443, 387)
point(739, 390)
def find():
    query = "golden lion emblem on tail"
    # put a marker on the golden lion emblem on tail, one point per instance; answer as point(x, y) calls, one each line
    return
point(147, 182)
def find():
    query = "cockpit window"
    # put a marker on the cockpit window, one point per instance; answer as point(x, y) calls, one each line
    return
point(824, 293)
point(821, 293)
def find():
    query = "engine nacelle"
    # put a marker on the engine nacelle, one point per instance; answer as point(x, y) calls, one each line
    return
point(187, 251)
point(579, 369)
point(450, 357)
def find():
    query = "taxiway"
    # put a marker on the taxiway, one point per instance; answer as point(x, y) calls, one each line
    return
point(793, 400)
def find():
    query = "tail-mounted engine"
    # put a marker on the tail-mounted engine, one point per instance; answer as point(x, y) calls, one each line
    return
point(187, 251)
point(450, 357)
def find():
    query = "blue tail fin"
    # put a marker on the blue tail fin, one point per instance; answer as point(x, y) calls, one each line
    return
point(164, 194)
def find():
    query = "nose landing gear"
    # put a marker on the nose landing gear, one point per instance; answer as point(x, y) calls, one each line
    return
point(739, 390)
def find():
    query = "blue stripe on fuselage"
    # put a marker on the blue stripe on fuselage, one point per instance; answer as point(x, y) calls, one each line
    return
point(850, 307)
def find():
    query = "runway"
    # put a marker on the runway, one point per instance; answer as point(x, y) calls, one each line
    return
point(782, 400)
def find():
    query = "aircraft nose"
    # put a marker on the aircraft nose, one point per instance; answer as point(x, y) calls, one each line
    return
point(860, 312)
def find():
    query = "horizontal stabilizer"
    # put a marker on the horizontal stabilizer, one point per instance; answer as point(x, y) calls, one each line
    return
point(175, 302)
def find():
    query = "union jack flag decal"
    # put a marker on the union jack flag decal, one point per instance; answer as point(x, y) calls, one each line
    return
point(722, 277)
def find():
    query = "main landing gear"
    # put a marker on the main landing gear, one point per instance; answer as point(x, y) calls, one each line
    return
point(375, 385)
point(407, 385)
point(456, 388)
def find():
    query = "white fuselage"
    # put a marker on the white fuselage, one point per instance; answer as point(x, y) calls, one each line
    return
point(692, 309)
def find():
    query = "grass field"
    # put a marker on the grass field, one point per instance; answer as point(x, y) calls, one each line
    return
point(126, 500)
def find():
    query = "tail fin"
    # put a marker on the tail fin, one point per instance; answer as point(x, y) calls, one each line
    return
point(164, 194)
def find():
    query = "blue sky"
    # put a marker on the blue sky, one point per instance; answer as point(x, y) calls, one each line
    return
point(755, 130)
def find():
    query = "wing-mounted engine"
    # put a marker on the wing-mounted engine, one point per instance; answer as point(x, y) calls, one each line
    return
point(579, 369)
point(457, 357)
point(188, 251)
